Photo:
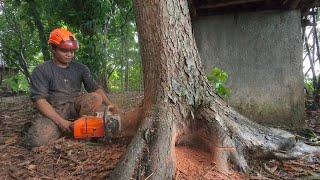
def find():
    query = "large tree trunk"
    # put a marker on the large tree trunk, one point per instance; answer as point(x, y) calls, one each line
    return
point(180, 107)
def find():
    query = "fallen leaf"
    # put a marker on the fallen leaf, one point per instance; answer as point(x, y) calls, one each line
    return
point(69, 153)
point(272, 169)
point(11, 140)
point(31, 167)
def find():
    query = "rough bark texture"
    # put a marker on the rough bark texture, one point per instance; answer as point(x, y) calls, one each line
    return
point(1, 74)
point(181, 109)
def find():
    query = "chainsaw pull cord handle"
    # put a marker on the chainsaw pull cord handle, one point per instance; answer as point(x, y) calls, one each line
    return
point(104, 117)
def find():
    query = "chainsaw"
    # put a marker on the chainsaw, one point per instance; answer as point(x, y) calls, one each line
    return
point(99, 126)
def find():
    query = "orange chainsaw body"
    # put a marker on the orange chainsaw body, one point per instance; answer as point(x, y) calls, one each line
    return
point(89, 127)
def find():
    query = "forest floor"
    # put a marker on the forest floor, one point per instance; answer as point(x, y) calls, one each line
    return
point(71, 159)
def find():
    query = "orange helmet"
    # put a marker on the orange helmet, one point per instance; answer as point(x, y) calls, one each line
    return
point(63, 39)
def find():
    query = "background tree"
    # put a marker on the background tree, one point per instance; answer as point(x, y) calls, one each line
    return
point(14, 42)
point(102, 27)
point(33, 10)
point(310, 36)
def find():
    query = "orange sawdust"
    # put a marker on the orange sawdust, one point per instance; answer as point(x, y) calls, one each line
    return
point(193, 163)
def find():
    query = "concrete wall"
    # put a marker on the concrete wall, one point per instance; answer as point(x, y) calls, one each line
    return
point(262, 54)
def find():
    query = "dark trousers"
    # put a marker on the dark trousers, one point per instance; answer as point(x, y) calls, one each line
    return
point(43, 130)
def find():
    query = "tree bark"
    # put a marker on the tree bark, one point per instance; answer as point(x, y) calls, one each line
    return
point(126, 74)
point(42, 36)
point(122, 60)
point(1, 74)
point(316, 42)
point(181, 109)
point(103, 81)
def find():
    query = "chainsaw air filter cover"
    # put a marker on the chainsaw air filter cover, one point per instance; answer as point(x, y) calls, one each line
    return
point(88, 127)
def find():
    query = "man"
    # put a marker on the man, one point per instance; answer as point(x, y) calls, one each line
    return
point(56, 91)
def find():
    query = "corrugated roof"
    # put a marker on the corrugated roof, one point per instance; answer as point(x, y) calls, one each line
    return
point(210, 7)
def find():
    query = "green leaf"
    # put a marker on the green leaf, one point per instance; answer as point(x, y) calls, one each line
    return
point(217, 78)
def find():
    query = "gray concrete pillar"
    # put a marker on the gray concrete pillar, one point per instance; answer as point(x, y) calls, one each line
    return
point(262, 54)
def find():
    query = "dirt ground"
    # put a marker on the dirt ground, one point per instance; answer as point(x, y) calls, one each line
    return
point(70, 159)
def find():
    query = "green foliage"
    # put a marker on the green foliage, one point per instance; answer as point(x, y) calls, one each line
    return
point(218, 78)
point(308, 84)
point(16, 83)
point(115, 82)
point(19, 39)
point(105, 29)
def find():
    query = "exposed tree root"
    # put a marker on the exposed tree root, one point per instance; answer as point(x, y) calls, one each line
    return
point(249, 139)
point(151, 152)
point(228, 136)
point(129, 164)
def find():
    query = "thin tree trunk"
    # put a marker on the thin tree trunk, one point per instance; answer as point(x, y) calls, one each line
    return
point(122, 61)
point(317, 90)
point(19, 51)
point(42, 35)
point(141, 77)
point(127, 68)
point(314, 77)
point(1, 74)
point(103, 79)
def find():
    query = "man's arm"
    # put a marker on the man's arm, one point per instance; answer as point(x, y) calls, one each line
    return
point(91, 86)
point(106, 101)
point(47, 110)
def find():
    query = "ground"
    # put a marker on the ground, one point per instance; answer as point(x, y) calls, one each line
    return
point(70, 159)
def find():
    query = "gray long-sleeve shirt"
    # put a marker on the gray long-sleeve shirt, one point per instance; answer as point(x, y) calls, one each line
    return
point(59, 85)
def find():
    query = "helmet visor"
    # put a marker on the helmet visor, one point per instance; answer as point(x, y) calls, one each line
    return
point(70, 44)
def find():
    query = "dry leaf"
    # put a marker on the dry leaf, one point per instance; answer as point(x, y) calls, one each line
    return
point(11, 140)
point(31, 167)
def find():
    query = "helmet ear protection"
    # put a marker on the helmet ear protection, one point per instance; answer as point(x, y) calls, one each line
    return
point(63, 39)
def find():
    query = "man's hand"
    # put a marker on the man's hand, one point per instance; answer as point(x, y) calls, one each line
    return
point(113, 109)
point(47, 110)
point(66, 125)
